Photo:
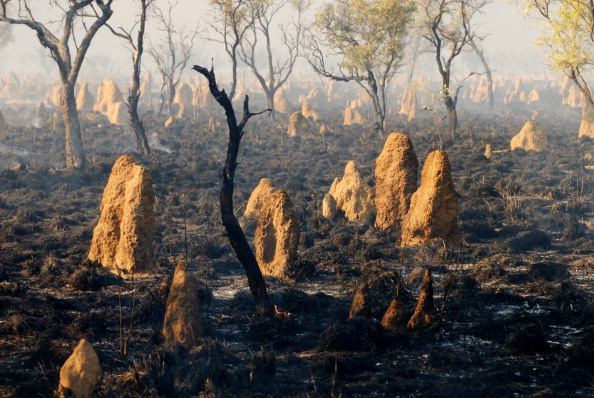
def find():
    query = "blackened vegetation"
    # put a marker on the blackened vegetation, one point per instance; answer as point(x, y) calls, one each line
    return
point(518, 319)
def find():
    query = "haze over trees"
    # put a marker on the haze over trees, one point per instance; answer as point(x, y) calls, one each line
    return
point(259, 43)
point(567, 38)
point(172, 53)
point(137, 47)
point(68, 53)
point(448, 29)
point(367, 39)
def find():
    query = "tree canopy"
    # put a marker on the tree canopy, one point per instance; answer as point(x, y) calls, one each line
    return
point(568, 37)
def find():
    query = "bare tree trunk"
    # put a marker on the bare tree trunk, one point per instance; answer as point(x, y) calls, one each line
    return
point(481, 56)
point(75, 155)
point(235, 234)
point(142, 144)
point(452, 117)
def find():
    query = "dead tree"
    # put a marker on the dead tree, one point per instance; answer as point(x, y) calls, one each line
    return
point(230, 22)
point(234, 232)
point(448, 30)
point(480, 54)
point(171, 55)
point(137, 46)
point(277, 70)
point(99, 11)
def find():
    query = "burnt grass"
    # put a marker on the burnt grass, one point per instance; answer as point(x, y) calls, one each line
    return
point(516, 300)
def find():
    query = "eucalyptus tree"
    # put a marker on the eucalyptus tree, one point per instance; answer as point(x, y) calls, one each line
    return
point(361, 41)
point(568, 37)
point(57, 33)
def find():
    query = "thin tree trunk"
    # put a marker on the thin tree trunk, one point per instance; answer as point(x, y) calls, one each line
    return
point(270, 102)
point(75, 155)
point(479, 54)
point(142, 144)
point(240, 245)
point(452, 117)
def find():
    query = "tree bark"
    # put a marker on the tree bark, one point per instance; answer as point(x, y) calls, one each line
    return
point(481, 56)
point(75, 155)
point(452, 117)
point(238, 241)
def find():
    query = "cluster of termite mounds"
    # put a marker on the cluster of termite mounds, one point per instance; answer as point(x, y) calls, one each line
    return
point(123, 240)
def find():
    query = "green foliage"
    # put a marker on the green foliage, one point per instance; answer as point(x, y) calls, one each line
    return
point(567, 34)
point(366, 33)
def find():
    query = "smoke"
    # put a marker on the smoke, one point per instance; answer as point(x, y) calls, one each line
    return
point(5, 35)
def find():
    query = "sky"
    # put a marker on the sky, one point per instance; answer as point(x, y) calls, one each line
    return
point(509, 43)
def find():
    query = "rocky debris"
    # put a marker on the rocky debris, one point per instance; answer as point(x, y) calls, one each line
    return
point(409, 104)
point(81, 372)
point(308, 112)
point(329, 207)
point(394, 320)
point(110, 102)
point(352, 194)
point(587, 123)
point(530, 138)
point(433, 209)
point(298, 125)
point(277, 237)
point(352, 116)
point(396, 180)
point(183, 97)
point(281, 103)
point(182, 324)
point(488, 152)
point(123, 238)
point(259, 197)
point(84, 99)
point(425, 315)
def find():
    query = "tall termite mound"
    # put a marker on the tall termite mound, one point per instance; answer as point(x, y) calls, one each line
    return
point(433, 209)
point(587, 123)
point(80, 373)
point(309, 112)
point(183, 97)
point(352, 194)
point(531, 138)
point(123, 238)
point(182, 322)
point(277, 237)
point(298, 125)
point(110, 102)
point(395, 180)
point(259, 197)
point(425, 315)
point(281, 103)
point(84, 99)
point(3, 124)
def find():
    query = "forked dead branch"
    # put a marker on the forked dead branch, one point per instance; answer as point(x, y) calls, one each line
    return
point(235, 234)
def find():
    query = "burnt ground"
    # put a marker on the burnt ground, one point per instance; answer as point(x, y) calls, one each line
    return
point(517, 319)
